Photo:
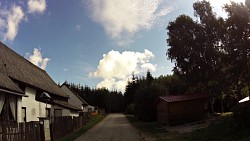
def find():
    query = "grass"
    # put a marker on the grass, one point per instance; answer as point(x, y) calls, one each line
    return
point(223, 129)
point(82, 130)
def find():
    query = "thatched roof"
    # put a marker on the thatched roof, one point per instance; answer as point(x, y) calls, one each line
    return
point(69, 92)
point(20, 69)
point(66, 105)
point(7, 84)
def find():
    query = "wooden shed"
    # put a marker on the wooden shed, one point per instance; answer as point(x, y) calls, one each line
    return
point(176, 109)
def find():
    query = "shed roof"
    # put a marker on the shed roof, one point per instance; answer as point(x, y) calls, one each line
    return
point(7, 84)
point(185, 97)
point(20, 69)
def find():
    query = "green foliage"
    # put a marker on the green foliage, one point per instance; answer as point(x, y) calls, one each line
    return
point(223, 129)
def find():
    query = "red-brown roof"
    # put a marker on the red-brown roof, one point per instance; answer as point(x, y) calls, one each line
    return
point(176, 98)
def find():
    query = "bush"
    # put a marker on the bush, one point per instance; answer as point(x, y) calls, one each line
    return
point(242, 114)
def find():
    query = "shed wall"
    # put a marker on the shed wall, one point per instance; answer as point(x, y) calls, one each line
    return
point(186, 111)
point(162, 112)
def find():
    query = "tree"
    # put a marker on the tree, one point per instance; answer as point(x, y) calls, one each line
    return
point(195, 45)
point(212, 53)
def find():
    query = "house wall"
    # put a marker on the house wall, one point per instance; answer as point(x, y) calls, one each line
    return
point(34, 109)
point(74, 113)
point(86, 108)
point(65, 112)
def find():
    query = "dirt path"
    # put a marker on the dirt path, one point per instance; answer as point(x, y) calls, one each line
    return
point(115, 127)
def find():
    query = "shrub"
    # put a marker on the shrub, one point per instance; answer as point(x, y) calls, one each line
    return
point(242, 114)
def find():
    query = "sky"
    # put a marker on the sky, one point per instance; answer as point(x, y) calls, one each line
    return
point(98, 43)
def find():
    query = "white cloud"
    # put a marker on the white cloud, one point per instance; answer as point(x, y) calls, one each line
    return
point(78, 27)
point(115, 68)
point(123, 18)
point(13, 19)
point(37, 6)
point(37, 59)
point(10, 18)
point(218, 4)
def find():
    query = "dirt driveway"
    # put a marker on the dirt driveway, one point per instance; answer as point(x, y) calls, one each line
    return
point(115, 127)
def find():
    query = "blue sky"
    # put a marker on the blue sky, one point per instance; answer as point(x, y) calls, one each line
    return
point(98, 43)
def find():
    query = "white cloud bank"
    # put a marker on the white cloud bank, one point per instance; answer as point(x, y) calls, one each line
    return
point(37, 6)
point(37, 59)
point(121, 19)
point(115, 68)
point(11, 18)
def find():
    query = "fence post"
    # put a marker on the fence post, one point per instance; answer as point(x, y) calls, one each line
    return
point(4, 129)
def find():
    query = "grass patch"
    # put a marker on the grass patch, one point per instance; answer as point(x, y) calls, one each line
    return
point(223, 128)
point(82, 130)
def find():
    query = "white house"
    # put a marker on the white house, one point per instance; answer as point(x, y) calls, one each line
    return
point(89, 108)
point(21, 86)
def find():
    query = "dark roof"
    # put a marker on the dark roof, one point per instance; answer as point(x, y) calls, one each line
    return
point(66, 105)
point(77, 95)
point(20, 69)
point(176, 98)
point(7, 84)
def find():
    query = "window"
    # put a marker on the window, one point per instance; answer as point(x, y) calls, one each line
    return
point(24, 114)
point(9, 108)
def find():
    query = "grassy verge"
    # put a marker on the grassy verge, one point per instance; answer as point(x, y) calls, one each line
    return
point(85, 128)
point(223, 129)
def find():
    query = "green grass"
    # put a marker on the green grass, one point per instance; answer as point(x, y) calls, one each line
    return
point(223, 129)
point(82, 130)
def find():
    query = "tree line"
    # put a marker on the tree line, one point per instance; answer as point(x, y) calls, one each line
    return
point(101, 98)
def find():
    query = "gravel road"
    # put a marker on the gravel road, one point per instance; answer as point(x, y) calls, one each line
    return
point(114, 127)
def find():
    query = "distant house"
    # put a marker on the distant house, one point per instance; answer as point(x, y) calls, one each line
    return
point(176, 109)
point(74, 99)
point(89, 108)
point(21, 86)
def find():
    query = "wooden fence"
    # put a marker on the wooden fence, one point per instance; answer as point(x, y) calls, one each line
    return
point(28, 131)
point(62, 126)
point(34, 131)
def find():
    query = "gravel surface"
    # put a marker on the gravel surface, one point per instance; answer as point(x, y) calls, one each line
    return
point(114, 127)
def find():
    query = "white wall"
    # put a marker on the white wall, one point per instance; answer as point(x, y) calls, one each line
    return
point(19, 109)
point(74, 113)
point(85, 109)
point(34, 109)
